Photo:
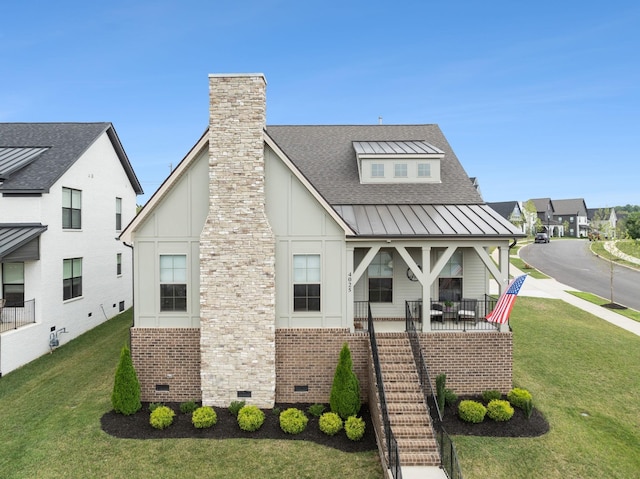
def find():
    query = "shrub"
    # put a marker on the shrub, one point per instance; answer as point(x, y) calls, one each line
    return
point(125, 397)
point(354, 427)
point(441, 381)
point(293, 421)
point(499, 410)
point(162, 417)
point(316, 410)
point(276, 411)
point(450, 397)
point(518, 397)
point(187, 407)
point(235, 406)
point(471, 411)
point(250, 418)
point(154, 405)
point(345, 391)
point(527, 408)
point(204, 417)
point(490, 395)
point(330, 423)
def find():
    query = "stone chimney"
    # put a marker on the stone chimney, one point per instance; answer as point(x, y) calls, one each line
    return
point(237, 251)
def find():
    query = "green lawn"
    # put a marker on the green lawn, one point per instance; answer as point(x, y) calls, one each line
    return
point(595, 299)
point(583, 373)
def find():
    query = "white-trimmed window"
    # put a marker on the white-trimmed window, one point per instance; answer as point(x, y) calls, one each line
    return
point(13, 284)
point(380, 273)
point(71, 209)
point(424, 170)
point(71, 278)
point(118, 214)
point(306, 282)
point(173, 282)
point(377, 170)
point(400, 170)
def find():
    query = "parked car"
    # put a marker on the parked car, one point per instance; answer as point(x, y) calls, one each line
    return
point(541, 238)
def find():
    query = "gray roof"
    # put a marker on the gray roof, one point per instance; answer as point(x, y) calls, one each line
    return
point(570, 207)
point(505, 208)
point(15, 235)
point(59, 145)
point(395, 148)
point(325, 155)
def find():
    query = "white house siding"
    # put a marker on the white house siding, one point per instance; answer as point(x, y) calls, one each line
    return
point(101, 178)
point(173, 227)
point(303, 226)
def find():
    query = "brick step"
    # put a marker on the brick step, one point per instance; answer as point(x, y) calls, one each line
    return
point(396, 367)
point(420, 459)
point(406, 408)
point(395, 356)
point(409, 378)
point(404, 396)
point(413, 432)
point(417, 420)
point(391, 336)
point(417, 445)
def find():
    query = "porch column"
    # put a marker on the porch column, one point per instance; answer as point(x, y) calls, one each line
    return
point(350, 287)
point(426, 288)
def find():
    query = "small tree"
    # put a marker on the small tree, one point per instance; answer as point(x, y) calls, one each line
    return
point(345, 391)
point(125, 397)
point(633, 225)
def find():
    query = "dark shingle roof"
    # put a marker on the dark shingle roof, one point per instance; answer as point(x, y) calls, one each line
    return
point(504, 208)
point(325, 155)
point(65, 143)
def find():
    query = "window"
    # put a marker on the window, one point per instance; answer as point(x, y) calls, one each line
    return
point(424, 170)
point(377, 170)
point(173, 282)
point(13, 284)
point(71, 209)
point(380, 273)
point(306, 282)
point(118, 214)
point(72, 278)
point(119, 264)
point(571, 219)
point(400, 170)
point(450, 280)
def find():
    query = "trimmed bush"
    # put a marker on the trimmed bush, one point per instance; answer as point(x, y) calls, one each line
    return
point(499, 410)
point(250, 418)
point(450, 397)
point(235, 406)
point(125, 397)
point(471, 411)
point(316, 410)
point(354, 427)
point(441, 382)
point(488, 396)
point(204, 417)
point(162, 417)
point(518, 397)
point(188, 407)
point(345, 390)
point(330, 423)
point(154, 405)
point(293, 421)
point(527, 409)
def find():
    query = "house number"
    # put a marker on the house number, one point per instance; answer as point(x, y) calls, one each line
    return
point(349, 281)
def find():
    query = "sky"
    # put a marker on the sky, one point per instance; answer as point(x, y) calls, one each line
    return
point(537, 99)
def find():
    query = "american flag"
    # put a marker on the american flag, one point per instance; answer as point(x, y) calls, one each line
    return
point(500, 313)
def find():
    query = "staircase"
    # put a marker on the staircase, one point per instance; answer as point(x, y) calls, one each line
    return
point(408, 414)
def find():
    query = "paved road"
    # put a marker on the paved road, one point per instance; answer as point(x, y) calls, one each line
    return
point(571, 262)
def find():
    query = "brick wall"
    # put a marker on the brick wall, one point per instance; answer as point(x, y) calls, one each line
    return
point(308, 357)
point(473, 362)
point(167, 357)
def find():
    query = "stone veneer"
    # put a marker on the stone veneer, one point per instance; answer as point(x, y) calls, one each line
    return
point(237, 250)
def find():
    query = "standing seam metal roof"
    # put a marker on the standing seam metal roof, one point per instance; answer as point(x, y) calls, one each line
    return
point(15, 235)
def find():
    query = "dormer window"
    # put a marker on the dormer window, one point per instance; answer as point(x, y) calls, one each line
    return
point(398, 161)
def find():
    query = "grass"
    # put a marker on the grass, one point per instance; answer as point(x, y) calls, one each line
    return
point(599, 300)
point(50, 428)
point(525, 268)
point(597, 247)
point(583, 373)
point(630, 247)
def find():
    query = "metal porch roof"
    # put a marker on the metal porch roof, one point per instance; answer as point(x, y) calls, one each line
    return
point(16, 235)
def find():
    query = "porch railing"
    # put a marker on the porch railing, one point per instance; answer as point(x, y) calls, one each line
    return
point(464, 315)
point(393, 458)
point(14, 317)
point(448, 455)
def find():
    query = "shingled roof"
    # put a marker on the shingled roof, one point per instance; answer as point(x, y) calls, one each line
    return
point(37, 154)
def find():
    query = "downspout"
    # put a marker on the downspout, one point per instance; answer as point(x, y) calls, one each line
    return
point(133, 295)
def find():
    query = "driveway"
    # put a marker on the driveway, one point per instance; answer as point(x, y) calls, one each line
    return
point(571, 262)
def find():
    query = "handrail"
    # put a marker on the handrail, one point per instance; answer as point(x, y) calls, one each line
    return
point(393, 456)
point(16, 316)
point(448, 455)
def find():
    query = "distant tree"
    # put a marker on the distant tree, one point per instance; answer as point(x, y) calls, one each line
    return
point(125, 397)
point(633, 225)
point(531, 217)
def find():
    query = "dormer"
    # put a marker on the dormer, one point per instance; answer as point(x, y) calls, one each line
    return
point(398, 161)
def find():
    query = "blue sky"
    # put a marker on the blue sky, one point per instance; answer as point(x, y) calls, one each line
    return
point(537, 99)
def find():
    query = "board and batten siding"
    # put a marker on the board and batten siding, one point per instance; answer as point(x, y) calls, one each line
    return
point(303, 226)
point(173, 227)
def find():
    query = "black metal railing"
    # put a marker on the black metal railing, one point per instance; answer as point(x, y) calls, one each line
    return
point(463, 315)
point(393, 457)
point(448, 455)
point(14, 317)
point(361, 310)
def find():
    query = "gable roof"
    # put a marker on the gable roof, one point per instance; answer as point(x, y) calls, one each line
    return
point(570, 207)
point(505, 208)
point(35, 155)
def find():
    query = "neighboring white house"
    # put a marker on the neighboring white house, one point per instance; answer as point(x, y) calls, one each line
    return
point(253, 260)
point(67, 190)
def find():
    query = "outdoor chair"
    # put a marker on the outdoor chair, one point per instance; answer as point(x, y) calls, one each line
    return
point(436, 312)
point(467, 311)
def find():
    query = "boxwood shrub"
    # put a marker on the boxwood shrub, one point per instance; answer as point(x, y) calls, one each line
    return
point(354, 427)
point(488, 396)
point(188, 407)
point(293, 421)
point(499, 410)
point(204, 417)
point(161, 417)
point(518, 397)
point(471, 411)
point(330, 423)
point(250, 418)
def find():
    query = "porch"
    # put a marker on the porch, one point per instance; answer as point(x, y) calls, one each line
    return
point(14, 317)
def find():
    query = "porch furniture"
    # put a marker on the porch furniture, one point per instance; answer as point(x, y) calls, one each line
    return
point(436, 312)
point(468, 308)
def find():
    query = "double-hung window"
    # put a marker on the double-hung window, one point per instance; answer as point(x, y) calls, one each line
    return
point(118, 214)
point(306, 282)
point(118, 264)
point(71, 278)
point(173, 282)
point(71, 209)
point(13, 284)
point(380, 273)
